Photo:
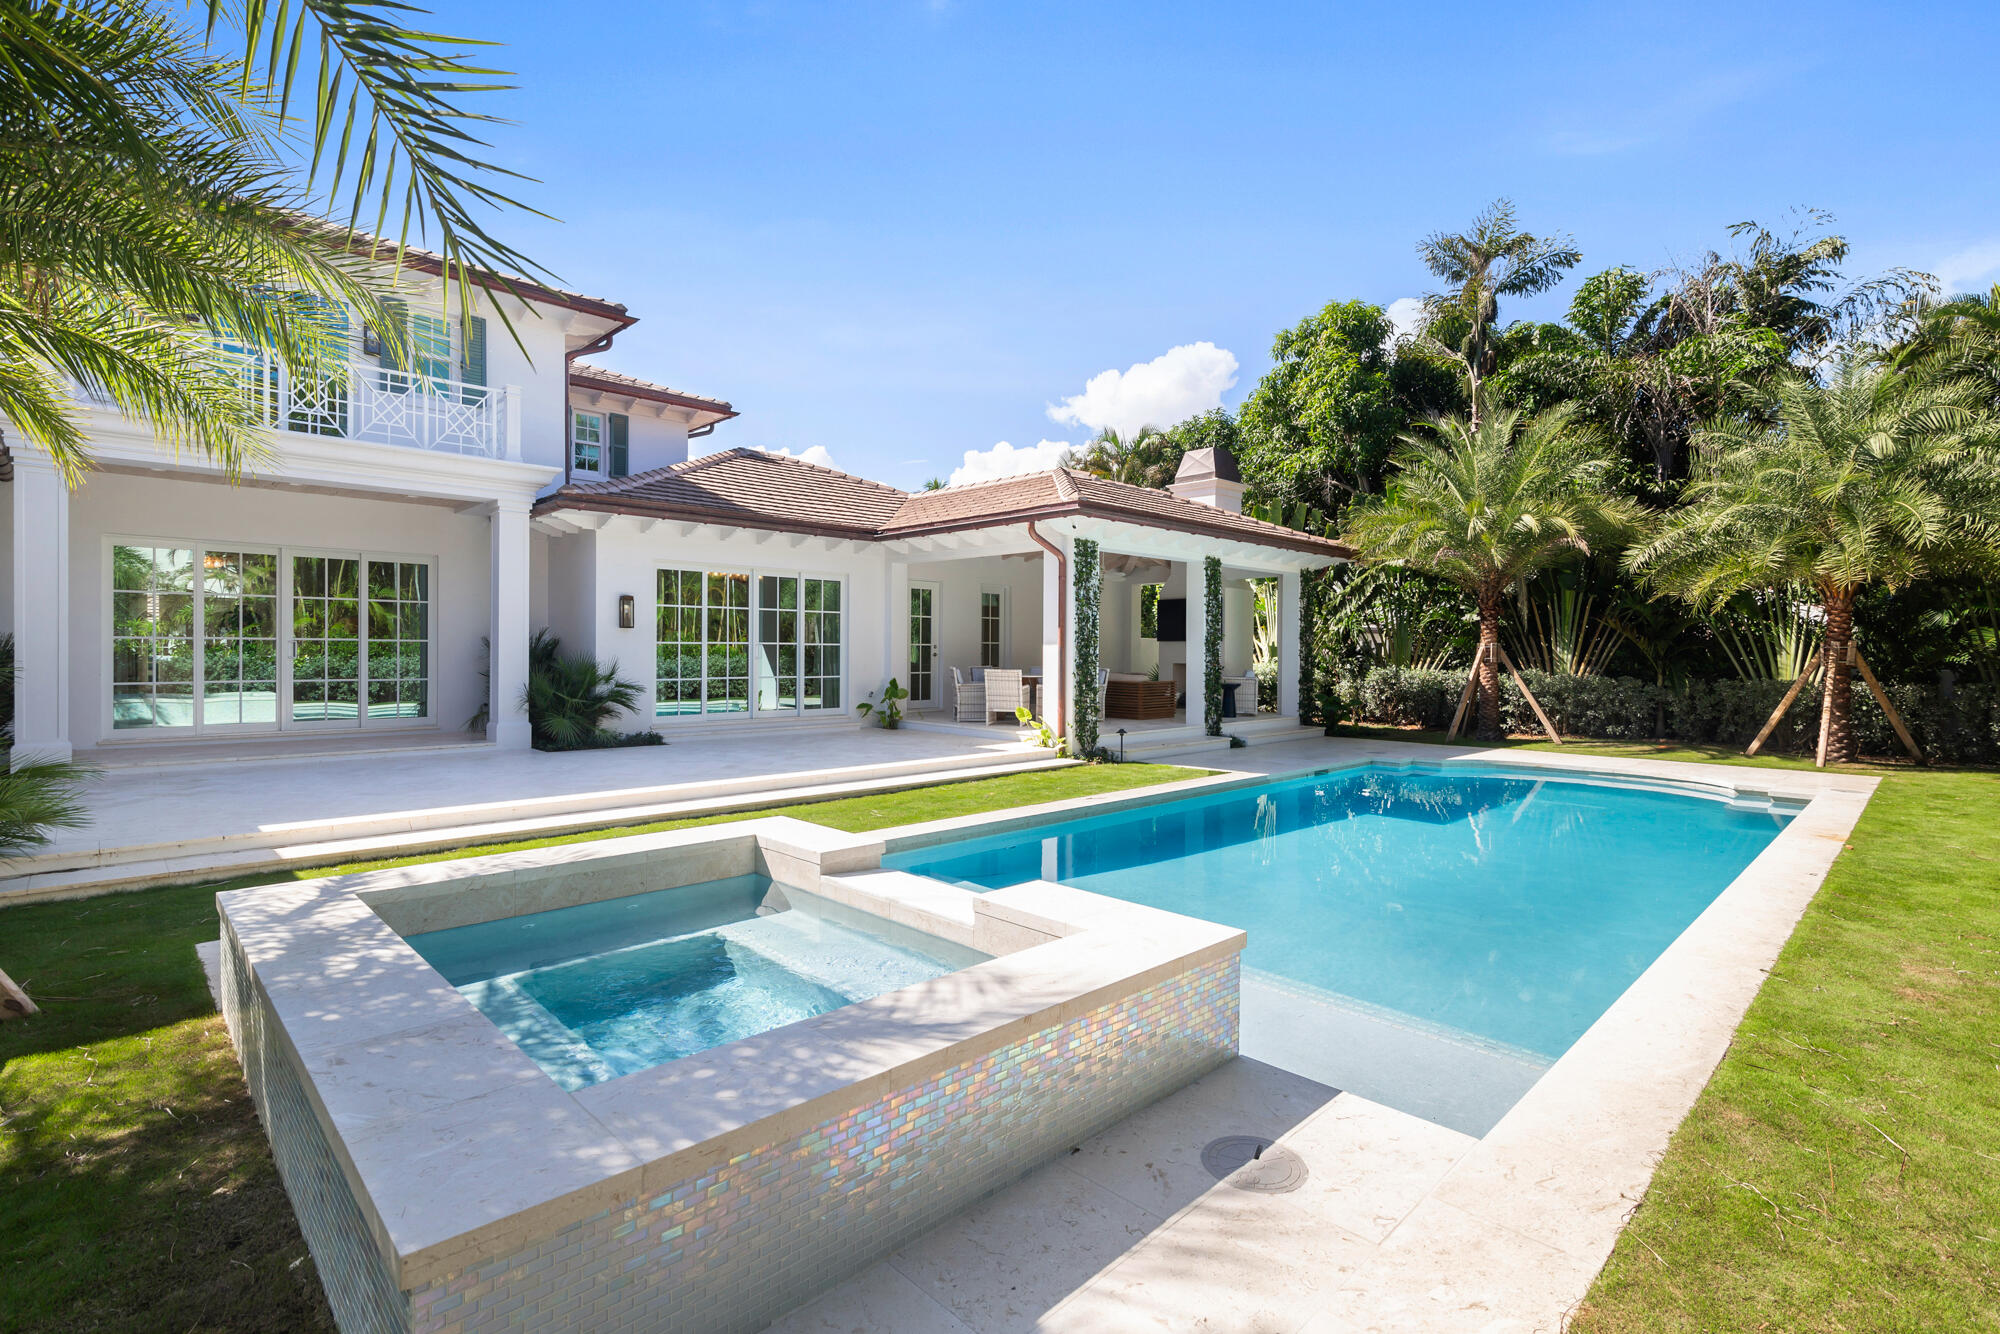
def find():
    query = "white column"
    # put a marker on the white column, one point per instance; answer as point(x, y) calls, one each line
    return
point(1055, 605)
point(510, 407)
point(1291, 630)
point(41, 609)
point(507, 654)
point(1197, 642)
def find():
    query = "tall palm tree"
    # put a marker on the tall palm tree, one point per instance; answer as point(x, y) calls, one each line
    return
point(1957, 338)
point(1869, 479)
point(148, 214)
point(1485, 506)
point(1141, 458)
point(1494, 258)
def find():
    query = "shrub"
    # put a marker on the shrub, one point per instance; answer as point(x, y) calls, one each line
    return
point(1959, 723)
point(570, 697)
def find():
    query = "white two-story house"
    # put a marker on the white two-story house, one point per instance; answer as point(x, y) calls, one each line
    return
point(404, 519)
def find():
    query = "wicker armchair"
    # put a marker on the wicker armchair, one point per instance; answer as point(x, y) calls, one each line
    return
point(968, 698)
point(1003, 691)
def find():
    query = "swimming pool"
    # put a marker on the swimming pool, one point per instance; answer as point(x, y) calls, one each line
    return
point(604, 989)
point(1470, 921)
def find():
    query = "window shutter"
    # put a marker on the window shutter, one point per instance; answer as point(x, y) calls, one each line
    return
point(384, 349)
point(621, 452)
point(472, 356)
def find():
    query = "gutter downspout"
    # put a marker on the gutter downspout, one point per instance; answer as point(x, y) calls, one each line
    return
point(595, 345)
point(1062, 628)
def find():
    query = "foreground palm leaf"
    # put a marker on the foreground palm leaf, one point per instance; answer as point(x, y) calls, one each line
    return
point(149, 235)
point(1871, 479)
point(391, 136)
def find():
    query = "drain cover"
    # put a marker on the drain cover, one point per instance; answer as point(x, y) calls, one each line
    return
point(1248, 1162)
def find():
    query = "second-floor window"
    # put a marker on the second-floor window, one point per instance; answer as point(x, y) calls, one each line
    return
point(587, 442)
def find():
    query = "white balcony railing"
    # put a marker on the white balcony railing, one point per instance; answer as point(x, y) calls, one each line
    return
point(389, 407)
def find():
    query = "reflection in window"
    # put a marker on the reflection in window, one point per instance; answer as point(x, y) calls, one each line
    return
point(239, 655)
point(152, 637)
point(587, 442)
point(399, 639)
point(326, 638)
point(992, 619)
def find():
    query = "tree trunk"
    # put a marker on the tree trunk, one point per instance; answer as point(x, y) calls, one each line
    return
point(1489, 665)
point(1837, 703)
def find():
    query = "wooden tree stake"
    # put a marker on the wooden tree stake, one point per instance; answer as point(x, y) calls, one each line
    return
point(1465, 695)
point(1529, 695)
point(14, 1002)
point(1882, 698)
point(1799, 682)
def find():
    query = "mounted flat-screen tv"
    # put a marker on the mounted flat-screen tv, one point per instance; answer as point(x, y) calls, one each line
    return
point(1173, 620)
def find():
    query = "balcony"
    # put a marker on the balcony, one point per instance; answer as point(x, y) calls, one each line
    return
point(382, 406)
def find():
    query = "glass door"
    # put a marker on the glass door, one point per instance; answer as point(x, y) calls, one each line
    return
point(326, 641)
point(239, 658)
point(778, 643)
point(923, 644)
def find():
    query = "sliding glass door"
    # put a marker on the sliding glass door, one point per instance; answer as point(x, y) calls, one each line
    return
point(199, 644)
point(731, 642)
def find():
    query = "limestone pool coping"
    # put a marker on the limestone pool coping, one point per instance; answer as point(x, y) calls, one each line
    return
point(459, 1148)
point(1502, 1232)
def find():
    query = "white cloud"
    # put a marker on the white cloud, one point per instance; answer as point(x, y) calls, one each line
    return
point(1172, 387)
point(1004, 460)
point(810, 454)
point(1964, 270)
point(1407, 314)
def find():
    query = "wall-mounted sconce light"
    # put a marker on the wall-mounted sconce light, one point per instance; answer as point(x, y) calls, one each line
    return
point(628, 611)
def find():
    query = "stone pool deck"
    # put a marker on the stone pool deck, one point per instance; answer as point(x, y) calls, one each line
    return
point(182, 814)
point(1398, 1224)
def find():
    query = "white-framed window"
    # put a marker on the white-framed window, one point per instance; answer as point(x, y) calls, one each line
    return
point(992, 627)
point(923, 643)
point(734, 642)
point(207, 636)
point(587, 442)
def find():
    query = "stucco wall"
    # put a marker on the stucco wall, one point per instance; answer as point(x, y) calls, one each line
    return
point(170, 510)
point(588, 573)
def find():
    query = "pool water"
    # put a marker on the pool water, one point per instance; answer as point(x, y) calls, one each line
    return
point(605, 989)
point(1501, 909)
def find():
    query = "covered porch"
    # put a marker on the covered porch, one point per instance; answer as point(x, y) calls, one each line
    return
point(994, 620)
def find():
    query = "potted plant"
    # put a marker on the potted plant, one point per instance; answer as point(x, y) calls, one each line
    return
point(887, 712)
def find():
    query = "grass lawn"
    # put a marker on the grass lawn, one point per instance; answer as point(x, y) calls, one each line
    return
point(1841, 1171)
point(136, 1188)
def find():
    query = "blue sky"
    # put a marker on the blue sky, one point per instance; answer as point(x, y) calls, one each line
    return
point(904, 231)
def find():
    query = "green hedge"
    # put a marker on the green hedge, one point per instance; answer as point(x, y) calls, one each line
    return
point(1961, 725)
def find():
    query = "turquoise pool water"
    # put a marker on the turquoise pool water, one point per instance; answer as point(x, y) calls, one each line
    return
point(605, 989)
point(1505, 908)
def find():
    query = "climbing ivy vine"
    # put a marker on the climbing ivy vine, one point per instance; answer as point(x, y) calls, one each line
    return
point(1211, 644)
point(1088, 593)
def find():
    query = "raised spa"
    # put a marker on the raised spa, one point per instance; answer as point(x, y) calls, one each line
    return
point(598, 990)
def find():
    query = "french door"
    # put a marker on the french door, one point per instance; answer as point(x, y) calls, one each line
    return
point(199, 643)
point(799, 644)
point(923, 644)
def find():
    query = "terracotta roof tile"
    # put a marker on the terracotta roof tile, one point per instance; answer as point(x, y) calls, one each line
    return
point(753, 489)
point(750, 488)
point(617, 382)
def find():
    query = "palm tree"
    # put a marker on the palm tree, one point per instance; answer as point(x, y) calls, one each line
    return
point(1958, 338)
point(1491, 260)
point(1139, 459)
point(1869, 479)
point(148, 218)
point(1484, 507)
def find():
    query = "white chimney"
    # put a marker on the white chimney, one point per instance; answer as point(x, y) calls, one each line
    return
point(1209, 477)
